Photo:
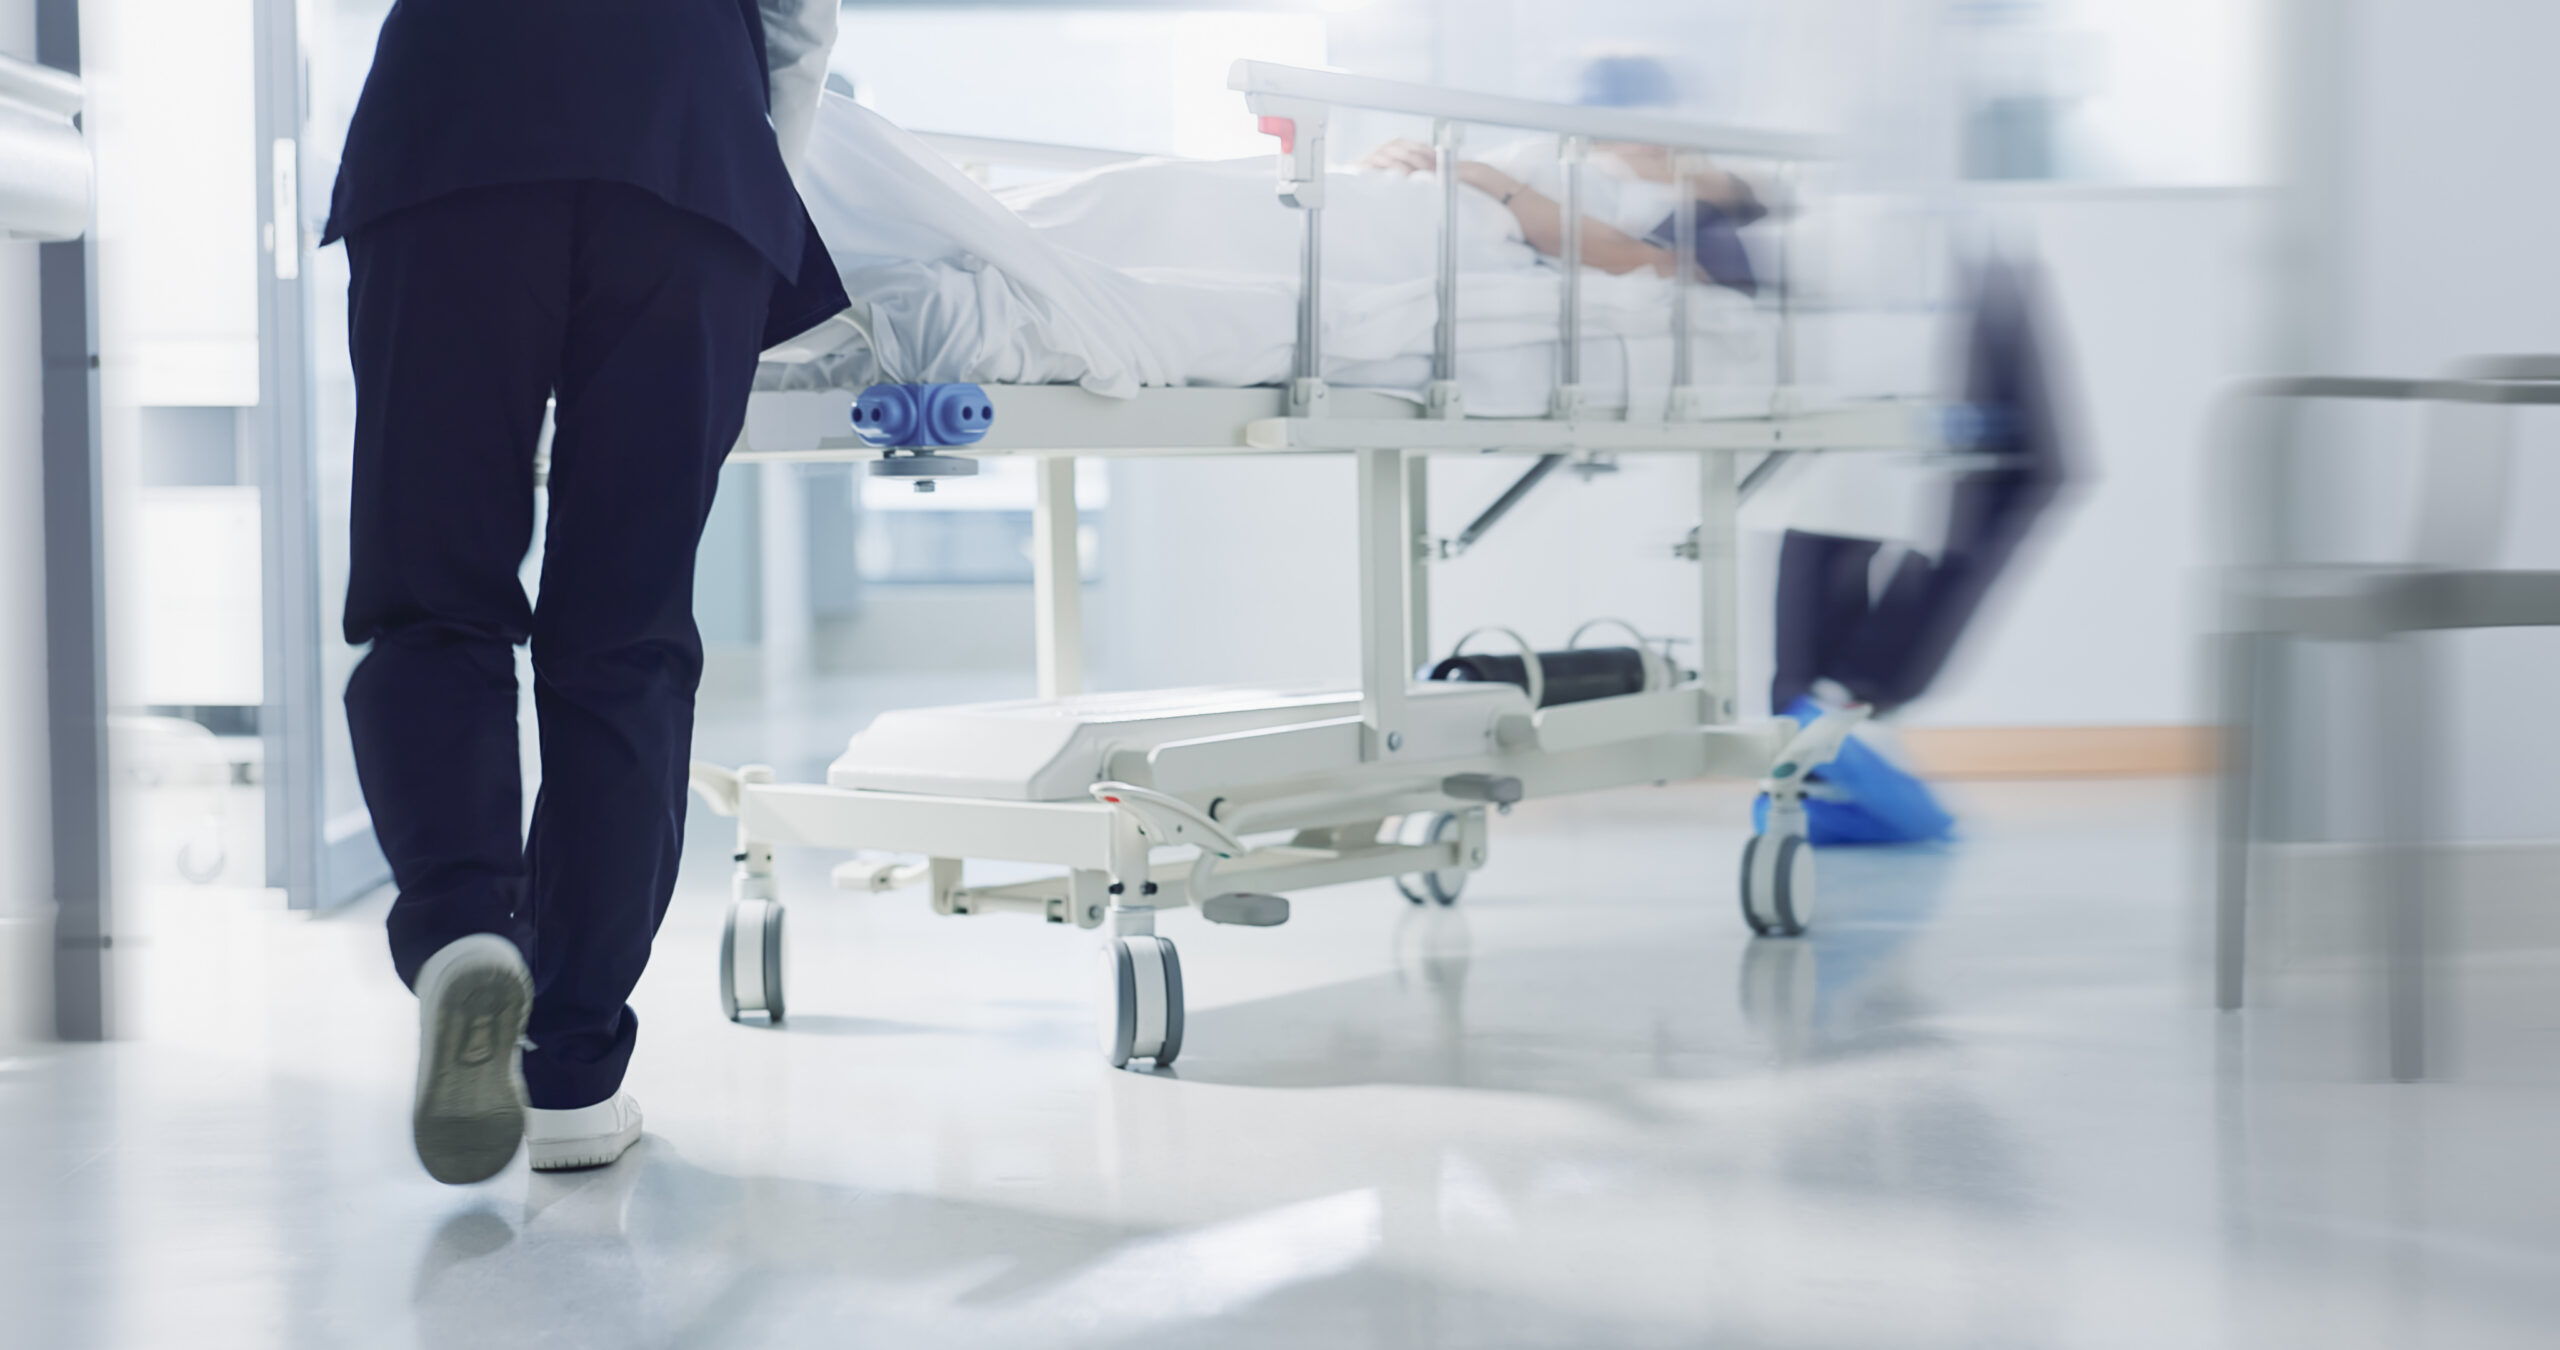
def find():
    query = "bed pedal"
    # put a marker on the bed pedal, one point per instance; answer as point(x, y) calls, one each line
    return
point(1497, 789)
point(1246, 908)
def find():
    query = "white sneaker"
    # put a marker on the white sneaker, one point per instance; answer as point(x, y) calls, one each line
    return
point(473, 998)
point(588, 1136)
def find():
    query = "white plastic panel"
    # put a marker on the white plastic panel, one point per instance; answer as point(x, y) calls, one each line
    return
point(1051, 750)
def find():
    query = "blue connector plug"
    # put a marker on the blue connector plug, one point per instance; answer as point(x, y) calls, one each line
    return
point(903, 416)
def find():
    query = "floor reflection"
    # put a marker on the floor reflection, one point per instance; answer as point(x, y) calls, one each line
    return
point(658, 1251)
point(1981, 1105)
point(1599, 1021)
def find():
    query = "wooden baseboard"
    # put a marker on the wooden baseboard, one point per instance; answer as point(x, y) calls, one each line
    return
point(2060, 752)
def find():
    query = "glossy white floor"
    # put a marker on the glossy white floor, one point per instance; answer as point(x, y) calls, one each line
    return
point(1986, 1105)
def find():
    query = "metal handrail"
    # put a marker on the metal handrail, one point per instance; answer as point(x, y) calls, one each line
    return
point(2374, 388)
point(1295, 102)
point(1341, 89)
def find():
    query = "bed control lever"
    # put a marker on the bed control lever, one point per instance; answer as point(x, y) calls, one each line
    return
point(721, 789)
point(1166, 819)
point(1246, 908)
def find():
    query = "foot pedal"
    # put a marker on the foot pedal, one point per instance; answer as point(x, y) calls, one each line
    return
point(1494, 788)
point(1252, 911)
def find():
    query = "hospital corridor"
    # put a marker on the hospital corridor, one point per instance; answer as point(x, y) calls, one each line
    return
point(1381, 673)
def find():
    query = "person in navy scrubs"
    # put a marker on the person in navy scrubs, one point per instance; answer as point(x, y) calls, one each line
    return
point(547, 208)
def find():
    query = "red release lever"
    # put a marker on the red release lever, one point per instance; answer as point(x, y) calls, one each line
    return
point(1286, 128)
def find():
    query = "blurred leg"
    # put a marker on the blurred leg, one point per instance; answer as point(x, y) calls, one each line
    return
point(455, 319)
point(1822, 602)
point(660, 352)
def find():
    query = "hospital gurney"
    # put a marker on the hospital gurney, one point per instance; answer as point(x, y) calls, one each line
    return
point(1229, 799)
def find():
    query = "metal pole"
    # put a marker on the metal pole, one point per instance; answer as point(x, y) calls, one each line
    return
point(75, 606)
point(1684, 262)
point(1719, 590)
point(1786, 277)
point(2236, 789)
point(1417, 588)
point(1571, 150)
point(1492, 515)
point(1385, 666)
point(2407, 741)
point(1306, 392)
point(1446, 137)
point(1057, 580)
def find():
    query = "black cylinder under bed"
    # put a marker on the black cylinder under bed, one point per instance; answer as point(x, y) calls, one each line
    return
point(1577, 675)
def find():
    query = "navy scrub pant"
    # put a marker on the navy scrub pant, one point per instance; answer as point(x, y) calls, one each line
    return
point(1887, 638)
point(466, 314)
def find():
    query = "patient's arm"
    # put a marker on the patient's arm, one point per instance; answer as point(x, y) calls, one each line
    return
point(1604, 246)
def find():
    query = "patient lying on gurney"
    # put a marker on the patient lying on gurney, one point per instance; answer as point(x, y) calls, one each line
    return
point(1161, 272)
point(1631, 216)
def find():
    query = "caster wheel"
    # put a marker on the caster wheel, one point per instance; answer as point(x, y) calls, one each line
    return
point(1431, 888)
point(1141, 1001)
point(1777, 885)
point(751, 960)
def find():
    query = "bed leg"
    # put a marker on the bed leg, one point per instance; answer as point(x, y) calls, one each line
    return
point(1417, 583)
point(1057, 581)
point(1088, 896)
point(942, 882)
point(1385, 572)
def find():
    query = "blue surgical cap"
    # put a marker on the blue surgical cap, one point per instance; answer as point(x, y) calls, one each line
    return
point(1627, 82)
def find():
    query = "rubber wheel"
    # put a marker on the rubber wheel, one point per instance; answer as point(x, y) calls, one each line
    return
point(729, 963)
point(773, 963)
point(1750, 903)
point(1172, 1005)
point(1787, 905)
point(766, 928)
point(1440, 887)
point(1120, 1004)
point(1120, 1032)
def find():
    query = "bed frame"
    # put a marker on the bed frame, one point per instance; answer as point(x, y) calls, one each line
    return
point(1228, 812)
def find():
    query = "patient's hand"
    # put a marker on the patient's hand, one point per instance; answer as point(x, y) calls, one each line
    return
point(1402, 155)
point(1407, 156)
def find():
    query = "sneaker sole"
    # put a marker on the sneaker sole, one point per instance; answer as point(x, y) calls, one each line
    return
point(571, 1155)
point(470, 1111)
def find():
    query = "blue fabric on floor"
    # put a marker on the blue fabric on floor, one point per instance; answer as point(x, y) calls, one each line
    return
point(1886, 804)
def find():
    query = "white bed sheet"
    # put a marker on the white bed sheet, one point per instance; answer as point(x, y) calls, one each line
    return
point(1171, 272)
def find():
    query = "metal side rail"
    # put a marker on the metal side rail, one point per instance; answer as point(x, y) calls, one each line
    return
point(1883, 425)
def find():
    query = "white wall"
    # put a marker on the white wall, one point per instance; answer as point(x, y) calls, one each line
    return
point(26, 843)
point(1227, 571)
point(2439, 216)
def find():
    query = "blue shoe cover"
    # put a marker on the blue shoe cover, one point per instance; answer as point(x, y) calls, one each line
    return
point(1885, 803)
